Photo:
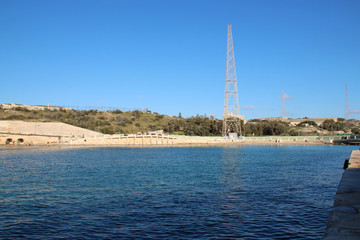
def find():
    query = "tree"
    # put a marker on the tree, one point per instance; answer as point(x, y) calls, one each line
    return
point(136, 113)
point(293, 132)
point(355, 130)
point(329, 125)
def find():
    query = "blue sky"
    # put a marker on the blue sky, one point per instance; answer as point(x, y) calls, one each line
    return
point(169, 56)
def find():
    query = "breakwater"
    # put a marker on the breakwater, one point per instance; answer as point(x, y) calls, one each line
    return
point(344, 219)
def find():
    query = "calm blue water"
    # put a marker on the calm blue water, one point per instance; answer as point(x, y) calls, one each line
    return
point(249, 192)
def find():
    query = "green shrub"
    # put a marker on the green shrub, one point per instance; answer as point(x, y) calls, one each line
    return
point(117, 112)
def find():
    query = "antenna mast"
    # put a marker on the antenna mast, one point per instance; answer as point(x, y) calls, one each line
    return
point(231, 115)
point(347, 112)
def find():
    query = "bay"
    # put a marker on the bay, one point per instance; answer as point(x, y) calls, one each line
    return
point(243, 192)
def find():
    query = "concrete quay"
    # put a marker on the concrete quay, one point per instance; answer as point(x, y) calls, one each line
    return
point(344, 219)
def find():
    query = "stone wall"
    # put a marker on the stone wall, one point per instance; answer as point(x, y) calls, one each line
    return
point(13, 139)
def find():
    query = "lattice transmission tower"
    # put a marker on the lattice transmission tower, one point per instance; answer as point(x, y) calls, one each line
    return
point(231, 115)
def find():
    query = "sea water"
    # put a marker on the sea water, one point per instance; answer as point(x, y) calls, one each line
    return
point(244, 192)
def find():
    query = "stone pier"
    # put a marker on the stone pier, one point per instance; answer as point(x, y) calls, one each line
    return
point(344, 219)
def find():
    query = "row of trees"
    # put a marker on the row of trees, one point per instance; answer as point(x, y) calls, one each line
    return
point(261, 128)
point(195, 126)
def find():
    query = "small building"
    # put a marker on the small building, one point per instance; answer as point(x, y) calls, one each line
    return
point(233, 136)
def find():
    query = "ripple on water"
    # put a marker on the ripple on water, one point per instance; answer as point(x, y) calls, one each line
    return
point(252, 192)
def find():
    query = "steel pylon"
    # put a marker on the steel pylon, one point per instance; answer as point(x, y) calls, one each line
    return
point(231, 115)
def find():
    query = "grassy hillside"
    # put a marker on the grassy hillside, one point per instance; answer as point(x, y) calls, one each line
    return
point(118, 122)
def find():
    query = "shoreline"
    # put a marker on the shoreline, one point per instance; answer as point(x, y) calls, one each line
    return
point(189, 144)
point(60, 134)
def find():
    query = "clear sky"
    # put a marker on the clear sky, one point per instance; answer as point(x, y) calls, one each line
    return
point(169, 56)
